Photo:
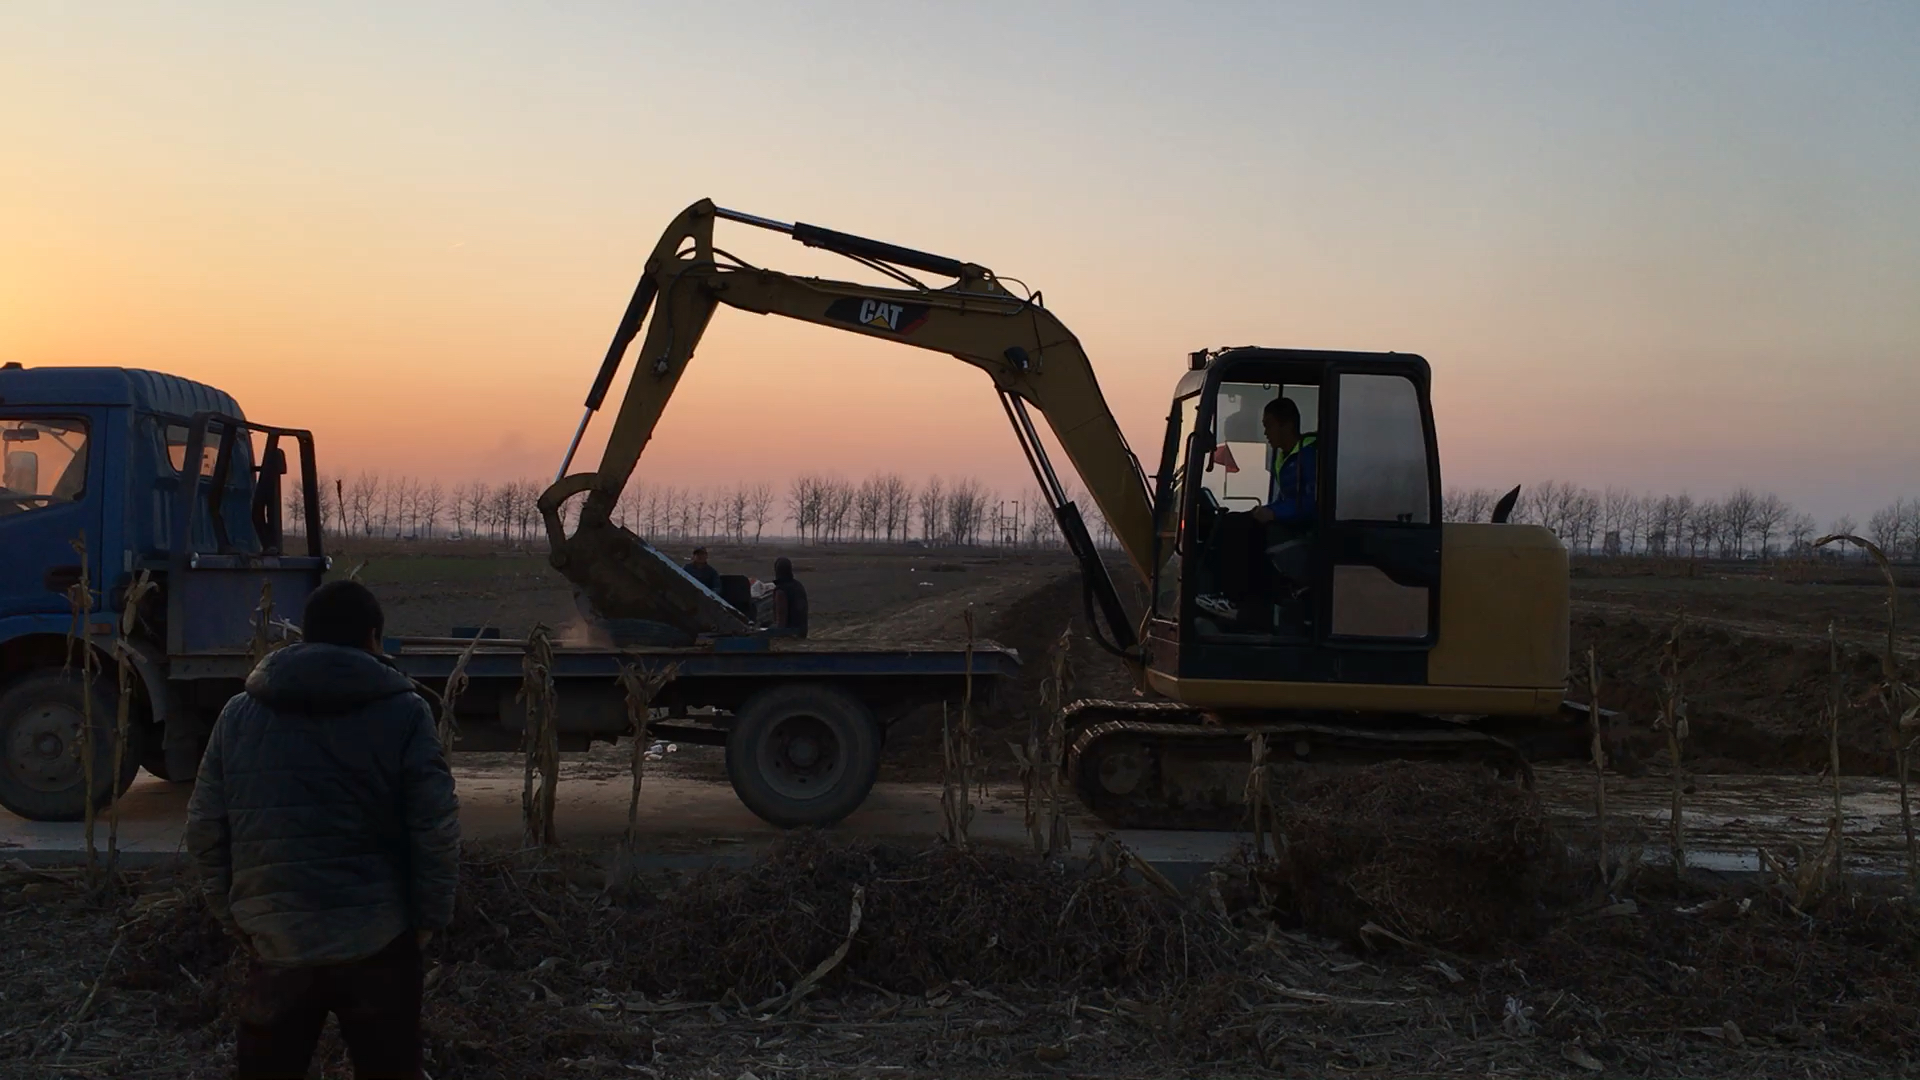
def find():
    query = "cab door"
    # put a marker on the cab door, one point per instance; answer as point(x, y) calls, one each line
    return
point(1380, 608)
point(49, 497)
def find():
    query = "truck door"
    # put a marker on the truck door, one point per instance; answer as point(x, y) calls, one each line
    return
point(1382, 601)
point(51, 491)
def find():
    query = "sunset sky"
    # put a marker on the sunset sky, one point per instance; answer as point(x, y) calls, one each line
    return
point(1671, 245)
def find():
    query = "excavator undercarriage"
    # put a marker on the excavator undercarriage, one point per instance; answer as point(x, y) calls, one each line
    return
point(1147, 765)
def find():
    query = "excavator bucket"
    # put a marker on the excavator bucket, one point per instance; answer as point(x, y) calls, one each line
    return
point(625, 580)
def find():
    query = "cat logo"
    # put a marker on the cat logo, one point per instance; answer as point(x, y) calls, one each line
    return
point(878, 314)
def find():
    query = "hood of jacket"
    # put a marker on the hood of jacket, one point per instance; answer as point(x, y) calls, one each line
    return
point(314, 678)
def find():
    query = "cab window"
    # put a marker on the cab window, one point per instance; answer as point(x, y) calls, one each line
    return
point(45, 463)
point(1240, 471)
point(1382, 465)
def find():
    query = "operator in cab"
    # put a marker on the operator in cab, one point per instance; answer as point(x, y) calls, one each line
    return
point(702, 571)
point(1264, 557)
point(1291, 495)
point(1291, 507)
point(789, 600)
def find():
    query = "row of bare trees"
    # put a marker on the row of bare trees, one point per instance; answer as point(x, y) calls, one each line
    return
point(882, 508)
point(888, 508)
point(370, 504)
point(1743, 523)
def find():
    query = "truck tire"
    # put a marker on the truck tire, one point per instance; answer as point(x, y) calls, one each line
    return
point(41, 778)
point(803, 754)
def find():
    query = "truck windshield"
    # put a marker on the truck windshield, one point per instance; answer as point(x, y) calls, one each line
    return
point(46, 462)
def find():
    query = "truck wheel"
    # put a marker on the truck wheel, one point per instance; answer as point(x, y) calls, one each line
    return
point(41, 778)
point(803, 755)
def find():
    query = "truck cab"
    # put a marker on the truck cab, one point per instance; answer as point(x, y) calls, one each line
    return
point(114, 476)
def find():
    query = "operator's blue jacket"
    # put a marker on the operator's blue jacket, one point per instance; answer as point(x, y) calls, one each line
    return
point(1291, 496)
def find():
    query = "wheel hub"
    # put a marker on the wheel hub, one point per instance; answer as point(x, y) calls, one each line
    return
point(41, 751)
point(803, 752)
point(801, 758)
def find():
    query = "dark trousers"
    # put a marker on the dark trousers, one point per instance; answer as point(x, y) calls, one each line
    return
point(377, 1001)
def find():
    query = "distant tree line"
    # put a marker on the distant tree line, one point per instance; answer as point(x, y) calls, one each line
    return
point(961, 511)
point(813, 508)
point(1744, 523)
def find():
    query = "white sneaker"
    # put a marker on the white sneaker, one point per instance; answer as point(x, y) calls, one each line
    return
point(1218, 605)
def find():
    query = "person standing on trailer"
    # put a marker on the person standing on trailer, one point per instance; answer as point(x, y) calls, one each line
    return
point(789, 599)
point(702, 571)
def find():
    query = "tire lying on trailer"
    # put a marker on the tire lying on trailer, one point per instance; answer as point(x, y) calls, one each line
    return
point(41, 776)
point(803, 754)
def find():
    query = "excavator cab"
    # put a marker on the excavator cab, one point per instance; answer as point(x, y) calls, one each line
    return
point(1343, 586)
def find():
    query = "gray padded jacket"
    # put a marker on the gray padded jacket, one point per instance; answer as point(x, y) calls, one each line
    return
point(324, 818)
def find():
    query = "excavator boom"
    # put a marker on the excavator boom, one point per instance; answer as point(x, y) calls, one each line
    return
point(1032, 359)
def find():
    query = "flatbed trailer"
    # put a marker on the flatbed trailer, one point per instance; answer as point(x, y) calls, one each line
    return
point(803, 722)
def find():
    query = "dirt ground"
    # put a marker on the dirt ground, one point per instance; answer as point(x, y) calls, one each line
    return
point(848, 958)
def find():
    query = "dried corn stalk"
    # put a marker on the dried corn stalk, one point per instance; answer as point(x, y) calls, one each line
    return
point(1059, 831)
point(262, 642)
point(1256, 795)
point(1835, 705)
point(1041, 759)
point(80, 640)
point(1895, 694)
point(542, 737)
point(448, 729)
point(124, 683)
point(1599, 751)
point(641, 687)
point(1673, 720)
point(956, 747)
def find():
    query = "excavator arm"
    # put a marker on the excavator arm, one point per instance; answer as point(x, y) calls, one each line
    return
point(1031, 357)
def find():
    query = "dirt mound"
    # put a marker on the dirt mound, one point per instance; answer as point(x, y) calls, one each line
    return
point(1029, 621)
point(1754, 702)
point(1444, 855)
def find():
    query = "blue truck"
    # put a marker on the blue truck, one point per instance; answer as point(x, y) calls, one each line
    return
point(117, 475)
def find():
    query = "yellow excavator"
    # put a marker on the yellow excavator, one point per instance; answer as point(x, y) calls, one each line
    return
point(1368, 630)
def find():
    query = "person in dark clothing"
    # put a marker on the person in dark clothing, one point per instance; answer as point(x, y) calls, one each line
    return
point(325, 826)
point(702, 571)
point(789, 599)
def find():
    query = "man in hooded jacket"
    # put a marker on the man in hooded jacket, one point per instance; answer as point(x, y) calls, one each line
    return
point(325, 824)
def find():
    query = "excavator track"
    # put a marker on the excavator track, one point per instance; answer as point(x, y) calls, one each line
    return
point(1160, 765)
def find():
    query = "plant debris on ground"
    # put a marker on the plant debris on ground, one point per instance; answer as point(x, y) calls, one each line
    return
point(834, 958)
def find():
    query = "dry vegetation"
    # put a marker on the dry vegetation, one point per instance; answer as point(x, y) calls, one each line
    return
point(1417, 921)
